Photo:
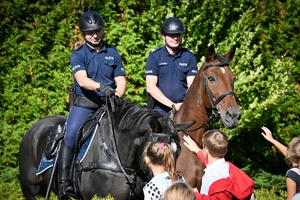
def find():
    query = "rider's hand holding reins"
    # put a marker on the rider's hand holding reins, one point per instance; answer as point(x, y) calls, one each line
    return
point(106, 90)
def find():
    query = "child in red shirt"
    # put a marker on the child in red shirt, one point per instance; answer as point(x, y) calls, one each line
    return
point(226, 181)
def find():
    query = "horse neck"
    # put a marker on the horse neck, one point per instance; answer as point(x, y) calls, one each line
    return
point(194, 107)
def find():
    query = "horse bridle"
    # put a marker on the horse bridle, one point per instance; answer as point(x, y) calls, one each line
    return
point(215, 111)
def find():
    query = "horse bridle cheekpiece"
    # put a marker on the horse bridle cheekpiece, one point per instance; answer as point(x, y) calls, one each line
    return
point(220, 98)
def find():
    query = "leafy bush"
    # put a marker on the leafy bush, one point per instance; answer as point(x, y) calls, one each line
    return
point(270, 194)
point(37, 38)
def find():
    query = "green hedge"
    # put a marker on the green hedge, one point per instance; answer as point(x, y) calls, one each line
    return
point(37, 38)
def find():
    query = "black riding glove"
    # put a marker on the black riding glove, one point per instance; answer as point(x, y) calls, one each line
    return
point(106, 90)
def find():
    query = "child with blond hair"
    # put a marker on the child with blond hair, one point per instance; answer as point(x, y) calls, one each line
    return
point(159, 157)
point(292, 154)
point(179, 191)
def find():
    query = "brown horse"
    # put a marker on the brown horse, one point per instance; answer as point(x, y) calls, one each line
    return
point(210, 95)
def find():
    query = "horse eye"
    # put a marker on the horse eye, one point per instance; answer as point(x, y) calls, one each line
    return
point(211, 78)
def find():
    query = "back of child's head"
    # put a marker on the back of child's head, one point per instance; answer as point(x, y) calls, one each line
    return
point(216, 142)
point(161, 154)
point(293, 151)
point(179, 191)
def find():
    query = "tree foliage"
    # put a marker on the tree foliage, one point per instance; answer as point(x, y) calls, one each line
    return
point(37, 38)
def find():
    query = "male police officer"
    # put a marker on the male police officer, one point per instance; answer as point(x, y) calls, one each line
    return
point(170, 69)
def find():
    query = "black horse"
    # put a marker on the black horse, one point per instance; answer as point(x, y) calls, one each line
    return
point(112, 163)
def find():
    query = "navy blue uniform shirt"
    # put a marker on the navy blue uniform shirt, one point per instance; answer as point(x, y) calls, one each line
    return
point(102, 66)
point(172, 71)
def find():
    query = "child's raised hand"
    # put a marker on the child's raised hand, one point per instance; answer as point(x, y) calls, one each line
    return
point(191, 144)
point(267, 133)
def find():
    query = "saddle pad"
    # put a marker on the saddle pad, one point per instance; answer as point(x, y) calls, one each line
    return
point(46, 164)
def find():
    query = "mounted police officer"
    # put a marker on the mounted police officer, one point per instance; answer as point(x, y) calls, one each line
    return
point(98, 72)
point(170, 69)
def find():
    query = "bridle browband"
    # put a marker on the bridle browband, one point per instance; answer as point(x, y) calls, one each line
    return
point(215, 112)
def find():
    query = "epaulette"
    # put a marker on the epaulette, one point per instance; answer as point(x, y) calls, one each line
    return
point(79, 47)
point(112, 47)
point(153, 50)
point(190, 51)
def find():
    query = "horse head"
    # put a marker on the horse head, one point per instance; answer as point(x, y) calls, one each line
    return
point(137, 125)
point(163, 129)
point(218, 86)
point(211, 93)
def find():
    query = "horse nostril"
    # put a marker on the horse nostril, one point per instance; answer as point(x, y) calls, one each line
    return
point(233, 115)
point(229, 114)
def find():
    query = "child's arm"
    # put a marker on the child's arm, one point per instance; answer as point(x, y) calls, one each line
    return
point(291, 188)
point(268, 136)
point(191, 144)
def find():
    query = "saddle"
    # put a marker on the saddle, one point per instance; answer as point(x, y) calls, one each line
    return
point(57, 132)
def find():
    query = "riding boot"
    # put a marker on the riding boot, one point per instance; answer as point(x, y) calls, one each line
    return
point(66, 186)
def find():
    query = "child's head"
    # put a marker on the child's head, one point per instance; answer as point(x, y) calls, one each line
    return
point(293, 151)
point(216, 142)
point(180, 191)
point(160, 154)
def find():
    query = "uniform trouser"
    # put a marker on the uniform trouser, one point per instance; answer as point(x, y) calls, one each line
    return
point(74, 121)
point(66, 153)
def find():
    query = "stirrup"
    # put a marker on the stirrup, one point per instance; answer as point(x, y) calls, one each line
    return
point(68, 189)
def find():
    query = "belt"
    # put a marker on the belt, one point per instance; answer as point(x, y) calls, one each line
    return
point(85, 102)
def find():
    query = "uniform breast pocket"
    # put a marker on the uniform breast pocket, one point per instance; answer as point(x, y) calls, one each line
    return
point(183, 69)
point(109, 67)
point(110, 63)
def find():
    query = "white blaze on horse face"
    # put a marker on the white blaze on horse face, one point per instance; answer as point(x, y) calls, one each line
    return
point(223, 70)
point(174, 147)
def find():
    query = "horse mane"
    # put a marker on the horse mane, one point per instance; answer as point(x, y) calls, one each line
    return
point(129, 114)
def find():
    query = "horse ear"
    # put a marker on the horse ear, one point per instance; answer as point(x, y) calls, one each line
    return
point(184, 125)
point(211, 53)
point(230, 54)
point(154, 124)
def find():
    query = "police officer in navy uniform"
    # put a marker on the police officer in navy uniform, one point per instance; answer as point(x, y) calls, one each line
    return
point(98, 72)
point(170, 69)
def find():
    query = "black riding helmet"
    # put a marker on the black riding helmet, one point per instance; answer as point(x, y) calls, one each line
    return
point(172, 25)
point(90, 21)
